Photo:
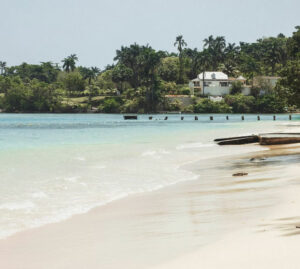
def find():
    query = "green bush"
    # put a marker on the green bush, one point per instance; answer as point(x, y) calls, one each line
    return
point(236, 87)
point(110, 105)
point(207, 106)
point(271, 104)
point(168, 87)
point(188, 109)
point(175, 106)
point(184, 91)
point(241, 103)
point(131, 106)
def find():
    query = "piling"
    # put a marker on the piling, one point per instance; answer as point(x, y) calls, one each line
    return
point(274, 117)
point(243, 118)
point(182, 118)
point(227, 117)
point(290, 117)
point(258, 117)
point(211, 118)
point(196, 118)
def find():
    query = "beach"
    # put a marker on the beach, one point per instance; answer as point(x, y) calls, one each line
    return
point(210, 219)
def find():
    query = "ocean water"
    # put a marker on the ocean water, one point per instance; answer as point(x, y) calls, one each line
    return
point(53, 166)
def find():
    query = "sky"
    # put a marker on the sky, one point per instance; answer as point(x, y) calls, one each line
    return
point(36, 31)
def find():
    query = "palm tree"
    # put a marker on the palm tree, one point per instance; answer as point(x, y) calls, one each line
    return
point(89, 74)
point(180, 43)
point(70, 62)
point(96, 71)
point(2, 67)
point(216, 48)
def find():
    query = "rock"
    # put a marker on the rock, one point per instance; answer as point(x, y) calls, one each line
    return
point(240, 174)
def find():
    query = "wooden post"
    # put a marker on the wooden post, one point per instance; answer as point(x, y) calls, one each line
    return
point(150, 118)
point(290, 117)
point(258, 117)
point(274, 117)
point(243, 118)
point(196, 118)
point(166, 118)
point(227, 117)
point(211, 118)
point(182, 118)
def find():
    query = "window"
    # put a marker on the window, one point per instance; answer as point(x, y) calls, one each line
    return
point(224, 84)
point(196, 83)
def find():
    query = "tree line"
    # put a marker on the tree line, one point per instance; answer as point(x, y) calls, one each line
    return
point(141, 76)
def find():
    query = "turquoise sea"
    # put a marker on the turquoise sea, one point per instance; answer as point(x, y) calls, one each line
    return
point(53, 166)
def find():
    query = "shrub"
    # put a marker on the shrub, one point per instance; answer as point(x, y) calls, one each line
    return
point(168, 87)
point(175, 106)
point(208, 106)
point(188, 109)
point(271, 104)
point(241, 103)
point(236, 87)
point(131, 106)
point(110, 105)
point(184, 91)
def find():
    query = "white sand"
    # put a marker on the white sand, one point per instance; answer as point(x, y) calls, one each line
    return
point(272, 243)
point(247, 222)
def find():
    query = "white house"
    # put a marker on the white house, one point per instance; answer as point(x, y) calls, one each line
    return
point(215, 84)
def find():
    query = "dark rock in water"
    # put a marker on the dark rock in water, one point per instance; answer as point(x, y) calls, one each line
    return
point(240, 174)
point(252, 159)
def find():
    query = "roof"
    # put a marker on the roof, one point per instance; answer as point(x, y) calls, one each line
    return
point(213, 76)
point(241, 78)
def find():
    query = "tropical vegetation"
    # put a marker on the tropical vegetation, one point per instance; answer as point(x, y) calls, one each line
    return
point(141, 79)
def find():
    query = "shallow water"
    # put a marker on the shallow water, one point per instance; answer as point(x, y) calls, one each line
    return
point(53, 166)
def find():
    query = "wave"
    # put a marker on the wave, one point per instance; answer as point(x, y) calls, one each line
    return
point(155, 152)
point(25, 205)
point(39, 194)
point(194, 145)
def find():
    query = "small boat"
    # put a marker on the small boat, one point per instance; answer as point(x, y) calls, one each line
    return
point(279, 138)
point(262, 139)
point(130, 117)
point(238, 140)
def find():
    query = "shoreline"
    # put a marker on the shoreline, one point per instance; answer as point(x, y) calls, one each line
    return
point(270, 242)
point(133, 227)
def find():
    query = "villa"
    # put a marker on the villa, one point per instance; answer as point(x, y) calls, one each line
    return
point(216, 84)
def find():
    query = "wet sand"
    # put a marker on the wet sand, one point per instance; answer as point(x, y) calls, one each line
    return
point(213, 222)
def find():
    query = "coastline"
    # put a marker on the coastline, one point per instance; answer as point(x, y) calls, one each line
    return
point(154, 229)
point(270, 242)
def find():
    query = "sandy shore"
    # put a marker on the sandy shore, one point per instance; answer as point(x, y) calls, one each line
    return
point(216, 222)
point(272, 242)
